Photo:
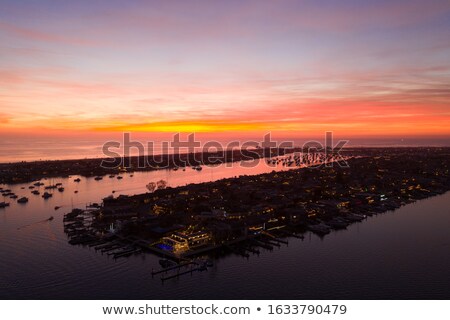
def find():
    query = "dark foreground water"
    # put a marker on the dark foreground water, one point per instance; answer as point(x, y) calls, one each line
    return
point(403, 254)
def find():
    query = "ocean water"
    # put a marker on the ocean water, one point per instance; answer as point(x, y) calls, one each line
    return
point(57, 148)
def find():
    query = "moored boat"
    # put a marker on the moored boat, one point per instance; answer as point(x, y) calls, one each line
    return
point(22, 200)
point(4, 204)
point(320, 229)
point(47, 195)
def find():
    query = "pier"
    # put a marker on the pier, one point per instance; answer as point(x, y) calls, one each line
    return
point(271, 243)
point(177, 266)
point(252, 250)
point(178, 274)
point(262, 244)
point(272, 237)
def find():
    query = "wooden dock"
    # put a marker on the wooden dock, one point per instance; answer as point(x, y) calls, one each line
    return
point(178, 274)
point(252, 250)
point(291, 234)
point(127, 253)
point(271, 243)
point(177, 266)
point(262, 245)
point(274, 238)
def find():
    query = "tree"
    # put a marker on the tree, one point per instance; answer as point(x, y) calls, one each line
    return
point(151, 186)
point(161, 184)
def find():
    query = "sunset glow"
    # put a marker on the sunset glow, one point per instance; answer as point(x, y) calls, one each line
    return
point(294, 67)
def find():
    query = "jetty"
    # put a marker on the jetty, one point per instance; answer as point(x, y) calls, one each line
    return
point(178, 274)
point(175, 267)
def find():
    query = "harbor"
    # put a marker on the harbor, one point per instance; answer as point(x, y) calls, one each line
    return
point(153, 221)
point(104, 248)
point(359, 251)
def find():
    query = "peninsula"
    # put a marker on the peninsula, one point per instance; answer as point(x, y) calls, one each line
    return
point(260, 210)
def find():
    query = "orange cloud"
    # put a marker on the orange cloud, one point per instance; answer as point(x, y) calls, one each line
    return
point(4, 119)
point(350, 124)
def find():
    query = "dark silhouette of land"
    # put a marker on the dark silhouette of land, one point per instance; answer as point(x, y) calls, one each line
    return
point(184, 221)
point(20, 172)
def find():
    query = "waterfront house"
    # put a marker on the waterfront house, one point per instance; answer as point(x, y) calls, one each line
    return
point(185, 241)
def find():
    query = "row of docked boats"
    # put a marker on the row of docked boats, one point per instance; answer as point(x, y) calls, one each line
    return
point(98, 178)
point(198, 168)
point(116, 248)
point(114, 176)
point(75, 227)
point(304, 159)
point(322, 228)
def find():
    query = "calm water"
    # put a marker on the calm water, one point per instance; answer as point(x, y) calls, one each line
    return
point(14, 149)
point(402, 254)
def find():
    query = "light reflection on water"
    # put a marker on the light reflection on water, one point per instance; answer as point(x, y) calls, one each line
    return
point(401, 254)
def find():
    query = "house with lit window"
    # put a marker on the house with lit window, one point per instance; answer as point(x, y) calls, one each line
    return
point(181, 242)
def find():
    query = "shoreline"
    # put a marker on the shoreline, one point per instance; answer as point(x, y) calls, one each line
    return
point(210, 215)
point(23, 172)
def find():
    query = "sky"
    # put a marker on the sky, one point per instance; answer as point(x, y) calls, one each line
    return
point(360, 68)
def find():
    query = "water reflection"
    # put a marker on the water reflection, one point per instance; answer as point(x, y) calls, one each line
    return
point(401, 254)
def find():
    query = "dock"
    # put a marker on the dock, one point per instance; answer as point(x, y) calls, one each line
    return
point(269, 242)
point(291, 234)
point(177, 266)
point(164, 278)
point(252, 250)
point(126, 253)
point(274, 238)
point(262, 245)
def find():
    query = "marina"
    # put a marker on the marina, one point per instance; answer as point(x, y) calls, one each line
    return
point(402, 230)
point(273, 159)
point(103, 258)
